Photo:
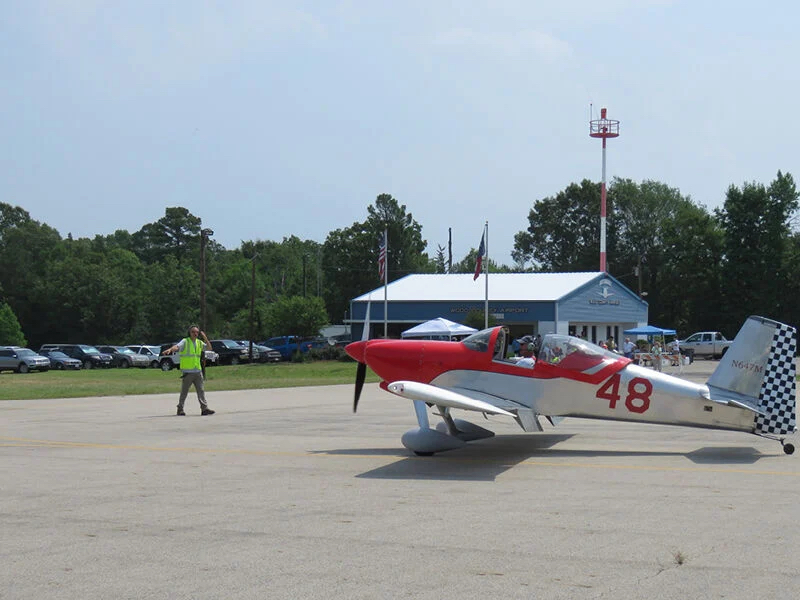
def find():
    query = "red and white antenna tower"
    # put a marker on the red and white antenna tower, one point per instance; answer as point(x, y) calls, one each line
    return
point(603, 128)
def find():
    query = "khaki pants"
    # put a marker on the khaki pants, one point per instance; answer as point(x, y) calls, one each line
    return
point(187, 380)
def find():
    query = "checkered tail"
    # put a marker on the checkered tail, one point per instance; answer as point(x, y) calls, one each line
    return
point(777, 397)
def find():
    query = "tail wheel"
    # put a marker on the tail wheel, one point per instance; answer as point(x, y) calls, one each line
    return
point(788, 448)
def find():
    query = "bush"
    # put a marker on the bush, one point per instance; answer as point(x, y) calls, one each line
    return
point(10, 331)
point(329, 353)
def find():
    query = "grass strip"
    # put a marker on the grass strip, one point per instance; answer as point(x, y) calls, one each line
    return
point(132, 382)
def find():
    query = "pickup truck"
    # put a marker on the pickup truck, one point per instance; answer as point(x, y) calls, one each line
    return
point(287, 345)
point(710, 344)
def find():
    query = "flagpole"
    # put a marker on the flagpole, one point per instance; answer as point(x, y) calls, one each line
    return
point(385, 282)
point(486, 270)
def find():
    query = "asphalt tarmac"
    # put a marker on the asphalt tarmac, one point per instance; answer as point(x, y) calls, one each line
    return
point(287, 494)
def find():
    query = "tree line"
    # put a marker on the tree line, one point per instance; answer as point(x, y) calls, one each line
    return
point(696, 268)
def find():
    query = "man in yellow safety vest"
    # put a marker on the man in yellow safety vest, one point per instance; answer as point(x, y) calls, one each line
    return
point(191, 352)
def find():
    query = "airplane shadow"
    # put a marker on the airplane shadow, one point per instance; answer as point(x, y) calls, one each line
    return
point(486, 459)
point(730, 455)
point(483, 460)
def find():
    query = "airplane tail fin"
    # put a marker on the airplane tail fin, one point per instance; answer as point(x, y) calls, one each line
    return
point(758, 371)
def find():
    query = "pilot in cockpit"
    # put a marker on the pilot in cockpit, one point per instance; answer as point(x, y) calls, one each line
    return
point(526, 352)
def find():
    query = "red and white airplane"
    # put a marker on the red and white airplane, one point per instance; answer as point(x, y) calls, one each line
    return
point(752, 390)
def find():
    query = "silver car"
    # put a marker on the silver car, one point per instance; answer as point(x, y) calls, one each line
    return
point(22, 360)
point(151, 352)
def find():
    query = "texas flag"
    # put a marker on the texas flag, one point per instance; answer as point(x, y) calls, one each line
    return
point(479, 258)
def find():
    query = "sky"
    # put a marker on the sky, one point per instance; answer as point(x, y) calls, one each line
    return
point(270, 119)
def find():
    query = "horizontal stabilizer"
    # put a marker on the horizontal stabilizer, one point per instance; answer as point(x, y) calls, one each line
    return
point(731, 399)
point(431, 394)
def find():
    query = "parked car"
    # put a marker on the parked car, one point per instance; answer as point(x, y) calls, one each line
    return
point(60, 361)
point(167, 362)
point(124, 357)
point(264, 353)
point(287, 345)
point(22, 360)
point(89, 356)
point(153, 353)
point(231, 352)
point(711, 344)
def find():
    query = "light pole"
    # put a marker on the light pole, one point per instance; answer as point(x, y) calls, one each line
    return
point(305, 258)
point(204, 235)
point(252, 302)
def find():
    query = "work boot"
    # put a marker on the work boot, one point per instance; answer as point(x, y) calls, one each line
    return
point(206, 412)
point(180, 412)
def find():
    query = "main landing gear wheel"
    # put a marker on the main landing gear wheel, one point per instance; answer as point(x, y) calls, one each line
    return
point(788, 448)
point(423, 453)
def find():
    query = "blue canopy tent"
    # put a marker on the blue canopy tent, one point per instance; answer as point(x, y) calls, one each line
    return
point(649, 330)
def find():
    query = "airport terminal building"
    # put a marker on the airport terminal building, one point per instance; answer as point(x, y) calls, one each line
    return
point(594, 305)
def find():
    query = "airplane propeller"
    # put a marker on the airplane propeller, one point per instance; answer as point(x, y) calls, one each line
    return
point(361, 371)
point(361, 375)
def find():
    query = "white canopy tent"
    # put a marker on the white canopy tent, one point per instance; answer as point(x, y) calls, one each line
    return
point(439, 329)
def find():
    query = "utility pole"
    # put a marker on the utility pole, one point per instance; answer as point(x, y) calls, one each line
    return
point(305, 256)
point(204, 235)
point(252, 303)
point(449, 249)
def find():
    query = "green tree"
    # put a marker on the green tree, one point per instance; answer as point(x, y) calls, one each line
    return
point(350, 256)
point(10, 331)
point(25, 252)
point(440, 260)
point(756, 220)
point(12, 217)
point(563, 234)
point(171, 294)
point(176, 234)
point(477, 319)
point(643, 213)
point(689, 283)
point(297, 316)
point(469, 262)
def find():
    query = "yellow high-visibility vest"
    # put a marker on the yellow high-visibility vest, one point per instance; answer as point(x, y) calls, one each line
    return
point(190, 355)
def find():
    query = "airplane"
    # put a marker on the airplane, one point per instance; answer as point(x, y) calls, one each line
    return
point(752, 390)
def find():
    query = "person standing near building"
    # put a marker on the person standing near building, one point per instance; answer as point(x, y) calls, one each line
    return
point(628, 348)
point(656, 352)
point(191, 351)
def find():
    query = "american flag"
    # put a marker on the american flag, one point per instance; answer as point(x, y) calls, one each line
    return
point(382, 256)
point(479, 258)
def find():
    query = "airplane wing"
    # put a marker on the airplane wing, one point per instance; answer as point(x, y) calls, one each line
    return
point(453, 398)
